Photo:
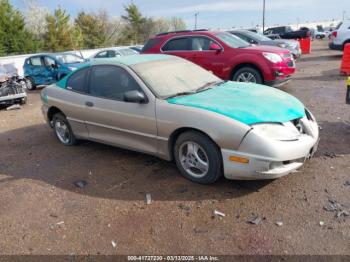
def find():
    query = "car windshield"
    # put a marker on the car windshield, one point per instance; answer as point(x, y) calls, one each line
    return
point(232, 41)
point(69, 59)
point(173, 76)
point(256, 36)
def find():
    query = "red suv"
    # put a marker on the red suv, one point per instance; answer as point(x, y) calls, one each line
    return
point(227, 56)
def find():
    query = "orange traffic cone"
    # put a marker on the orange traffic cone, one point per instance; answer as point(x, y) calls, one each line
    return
point(305, 45)
point(345, 64)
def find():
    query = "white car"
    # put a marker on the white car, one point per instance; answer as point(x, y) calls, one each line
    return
point(320, 35)
point(340, 36)
point(114, 52)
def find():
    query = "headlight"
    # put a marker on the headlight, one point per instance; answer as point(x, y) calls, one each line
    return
point(277, 131)
point(274, 58)
point(282, 45)
point(72, 68)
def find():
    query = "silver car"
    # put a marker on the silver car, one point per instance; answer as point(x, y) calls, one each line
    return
point(173, 109)
point(257, 39)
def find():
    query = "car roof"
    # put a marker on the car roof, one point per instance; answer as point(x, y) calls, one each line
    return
point(114, 48)
point(52, 54)
point(188, 33)
point(130, 60)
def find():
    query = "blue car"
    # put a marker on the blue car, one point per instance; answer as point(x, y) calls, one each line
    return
point(46, 69)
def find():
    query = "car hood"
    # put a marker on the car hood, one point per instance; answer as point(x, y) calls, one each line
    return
point(245, 102)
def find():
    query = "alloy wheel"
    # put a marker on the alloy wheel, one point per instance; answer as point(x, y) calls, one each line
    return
point(246, 77)
point(62, 131)
point(194, 159)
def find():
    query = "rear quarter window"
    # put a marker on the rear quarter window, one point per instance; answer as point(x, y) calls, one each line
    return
point(78, 81)
point(339, 25)
point(177, 44)
point(150, 44)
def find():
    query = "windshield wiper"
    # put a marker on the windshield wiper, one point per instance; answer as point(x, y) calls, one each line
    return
point(209, 85)
point(180, 94)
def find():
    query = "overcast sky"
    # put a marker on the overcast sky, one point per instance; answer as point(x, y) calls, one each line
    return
point(215, 14)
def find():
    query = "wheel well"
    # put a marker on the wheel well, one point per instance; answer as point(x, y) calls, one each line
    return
point(52, 111)
point(174, 136)
point(237, 67)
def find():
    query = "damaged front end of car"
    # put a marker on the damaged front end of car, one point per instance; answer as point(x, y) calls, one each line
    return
point(11, 92)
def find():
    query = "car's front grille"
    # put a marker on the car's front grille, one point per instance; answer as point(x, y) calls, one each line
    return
point(11, 89)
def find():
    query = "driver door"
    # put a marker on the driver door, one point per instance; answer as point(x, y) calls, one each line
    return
point(113, 121)
point(202, 55)
point(49, 70)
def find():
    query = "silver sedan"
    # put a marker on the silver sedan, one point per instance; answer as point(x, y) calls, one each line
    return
point(173, 109)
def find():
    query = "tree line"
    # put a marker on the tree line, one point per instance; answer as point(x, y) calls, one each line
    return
point(37, 29)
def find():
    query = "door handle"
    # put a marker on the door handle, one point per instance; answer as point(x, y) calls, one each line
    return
point(89, 104)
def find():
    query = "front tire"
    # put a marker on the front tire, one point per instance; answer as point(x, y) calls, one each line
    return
point(248, 75)
point(198, 158)
point(63, 130)
point(31, 86)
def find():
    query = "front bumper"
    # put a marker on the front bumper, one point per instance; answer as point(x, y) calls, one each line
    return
point(279, 81)
point(12, 99)
point(270, 160)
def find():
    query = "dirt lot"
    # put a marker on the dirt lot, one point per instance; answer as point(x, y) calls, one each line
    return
point(43, 212)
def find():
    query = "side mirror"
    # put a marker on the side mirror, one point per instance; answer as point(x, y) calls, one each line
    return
point(215, 47)
point(135, 97)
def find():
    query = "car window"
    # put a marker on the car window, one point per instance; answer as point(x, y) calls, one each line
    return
point(173, 75)
point(103, 54)
point(150, 44)
point(127, 51)
point(112, 53)
point(245, 38)
point(339, 25)
point(177, 44)
point(111, 82)
point(35, 61)
point(49, 61)
point(77, 81)
point(69, 58)
point(231, 40)
point(201, 43)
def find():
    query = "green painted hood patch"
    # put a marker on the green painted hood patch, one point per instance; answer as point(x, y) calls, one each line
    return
point(246, 103)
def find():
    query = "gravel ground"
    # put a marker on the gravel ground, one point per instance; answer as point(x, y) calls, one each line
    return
point(43, 212)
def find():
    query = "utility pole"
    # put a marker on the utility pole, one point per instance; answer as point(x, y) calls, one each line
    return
point(344, 12)
point(195, 20)
point(263, 16)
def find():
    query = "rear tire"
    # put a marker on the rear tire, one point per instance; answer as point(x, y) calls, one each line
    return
point(248, 75)
point(31, 86)
point(198, 158)
point(63, 130)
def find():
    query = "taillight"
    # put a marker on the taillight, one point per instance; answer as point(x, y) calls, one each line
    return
point(334, 33)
